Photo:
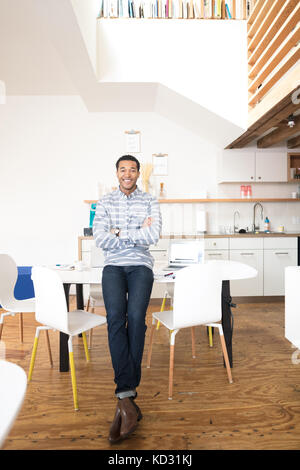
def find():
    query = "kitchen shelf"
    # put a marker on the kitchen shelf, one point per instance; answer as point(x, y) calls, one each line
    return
point(197, 201)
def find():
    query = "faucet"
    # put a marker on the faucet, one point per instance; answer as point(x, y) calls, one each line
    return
point(235, 227)
point(257, 204)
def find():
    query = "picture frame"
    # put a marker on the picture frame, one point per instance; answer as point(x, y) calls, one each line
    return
point(160, 164)
point(133, 141)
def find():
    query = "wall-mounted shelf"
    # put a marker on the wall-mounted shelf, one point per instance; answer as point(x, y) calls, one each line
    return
point(293, 162)
point(198, 201)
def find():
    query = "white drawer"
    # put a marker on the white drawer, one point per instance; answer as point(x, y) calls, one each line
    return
point(216, 243)
point(161, 255)
point(163, 244)
point(280, 242)
point(246, 243)
point(216, 254)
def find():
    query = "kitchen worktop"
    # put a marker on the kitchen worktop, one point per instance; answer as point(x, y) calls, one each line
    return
point(227, 235)
point(251, 234)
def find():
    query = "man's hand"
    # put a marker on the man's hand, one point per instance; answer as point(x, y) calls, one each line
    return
point(147, 222)
point(112, 230)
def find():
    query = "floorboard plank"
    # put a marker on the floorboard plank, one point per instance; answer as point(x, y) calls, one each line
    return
point(260, 410)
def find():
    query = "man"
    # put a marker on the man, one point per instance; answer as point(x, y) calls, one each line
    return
point(126, 222)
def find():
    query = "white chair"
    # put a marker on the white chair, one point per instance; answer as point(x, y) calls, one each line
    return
point(231, 271)
point(13, 381)
point(197, 301)
point(95, 298)
point(8, 279)
point(52, 312)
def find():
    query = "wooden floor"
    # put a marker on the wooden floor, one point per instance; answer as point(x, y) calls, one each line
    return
point(260, 410)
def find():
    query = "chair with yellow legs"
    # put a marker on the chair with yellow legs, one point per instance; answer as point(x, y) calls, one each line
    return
point(51, 311)
point(197, 301)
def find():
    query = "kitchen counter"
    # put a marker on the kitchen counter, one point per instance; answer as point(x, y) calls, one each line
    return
point(225, 235)
point(251, 235)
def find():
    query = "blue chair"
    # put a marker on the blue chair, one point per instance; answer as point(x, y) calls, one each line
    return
point(8, 301)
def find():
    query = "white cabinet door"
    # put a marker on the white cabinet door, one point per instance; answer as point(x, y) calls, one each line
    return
point(271, 166)
point(210, 255)
point(253, 286)
point(292, 305)
point(275, 262)
point(237, 166)
point(253, 166)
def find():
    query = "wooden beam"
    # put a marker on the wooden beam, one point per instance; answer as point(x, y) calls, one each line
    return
point(265, 23)
point(259, 19)
point(257, 7)
point(277, 113)
point(259, 72)
point(270, 42)
point(286, 10)
point(276, 99)
point(293, 143)
point(279, 134)
point(273, 122)
point(271, 81)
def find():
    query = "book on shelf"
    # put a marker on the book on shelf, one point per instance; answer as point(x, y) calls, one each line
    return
point(228, 9)
point(187, 9)
point(239, 9)
point(197, 9)
point(249, 7)
point(218, 9)
point(207, 13)
point(227, 12)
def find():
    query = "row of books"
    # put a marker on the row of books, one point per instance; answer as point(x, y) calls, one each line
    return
point(220, 9)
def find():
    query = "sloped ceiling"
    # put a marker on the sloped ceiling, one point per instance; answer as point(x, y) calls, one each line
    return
point(42, 52)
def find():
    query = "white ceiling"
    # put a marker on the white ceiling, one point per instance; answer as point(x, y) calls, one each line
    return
point(42, 52)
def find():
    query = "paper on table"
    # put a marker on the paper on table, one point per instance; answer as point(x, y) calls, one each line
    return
point(64, 267)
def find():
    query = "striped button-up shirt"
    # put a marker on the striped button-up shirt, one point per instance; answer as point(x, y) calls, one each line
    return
point(116, 210)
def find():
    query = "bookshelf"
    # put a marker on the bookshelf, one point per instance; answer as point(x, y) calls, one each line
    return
point(177, 9)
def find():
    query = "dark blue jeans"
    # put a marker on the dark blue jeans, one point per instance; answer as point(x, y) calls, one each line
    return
point(126, 293)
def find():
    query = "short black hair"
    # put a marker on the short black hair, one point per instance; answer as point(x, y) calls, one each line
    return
point(128, 157)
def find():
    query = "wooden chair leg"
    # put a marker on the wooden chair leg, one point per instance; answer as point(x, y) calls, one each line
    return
point(226, 359)
point(171, 370)
point(49, 348)
point(1, 328)
point(150, 344)
point(21, 327)
point(193, 342)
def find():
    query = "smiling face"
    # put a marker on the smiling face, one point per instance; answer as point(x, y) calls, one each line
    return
point(127, 174)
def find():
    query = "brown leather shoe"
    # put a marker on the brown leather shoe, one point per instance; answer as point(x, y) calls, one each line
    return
point(130, 416)
point(114, 432)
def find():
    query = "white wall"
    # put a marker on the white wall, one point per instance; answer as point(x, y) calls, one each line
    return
point(53, 153)
point(205, 61)
point(86, 13)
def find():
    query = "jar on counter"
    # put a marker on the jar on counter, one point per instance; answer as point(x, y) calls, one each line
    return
point(243, 191)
